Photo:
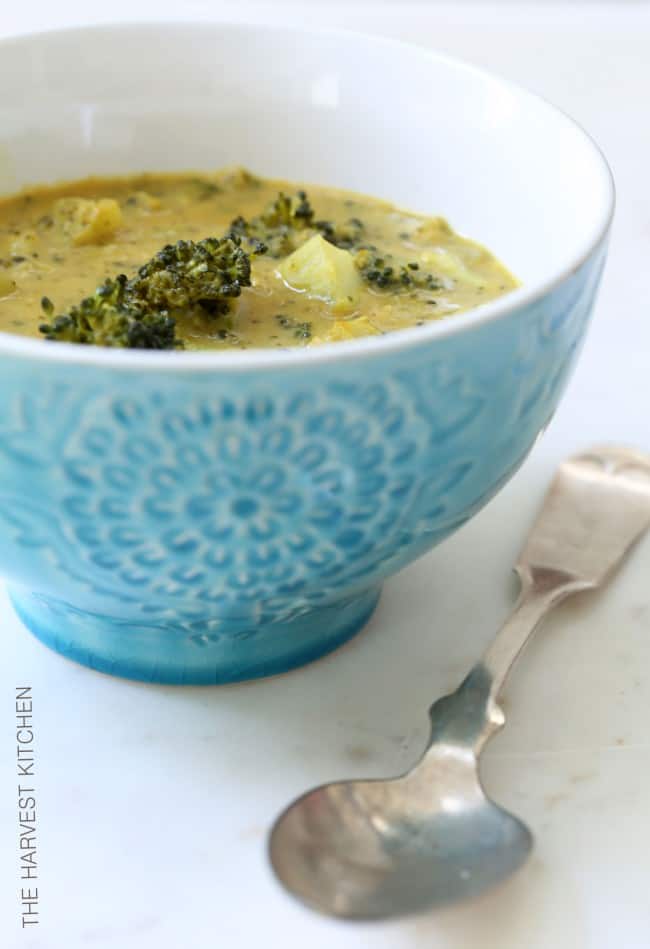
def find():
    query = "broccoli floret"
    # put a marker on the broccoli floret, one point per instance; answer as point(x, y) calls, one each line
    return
point(286, 223)
point(347, 236)
point(285, 211)
point(140, 313)
point(383, 272)
point(110, 318)
point(209, 273)
point(279, 226)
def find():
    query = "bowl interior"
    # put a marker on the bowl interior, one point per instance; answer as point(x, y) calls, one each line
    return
point(362, 113)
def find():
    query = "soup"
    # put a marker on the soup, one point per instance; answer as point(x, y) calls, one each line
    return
point(280, 268)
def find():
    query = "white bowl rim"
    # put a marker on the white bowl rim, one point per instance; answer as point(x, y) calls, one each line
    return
point(372, 346)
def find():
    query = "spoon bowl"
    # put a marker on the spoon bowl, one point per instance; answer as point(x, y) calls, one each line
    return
point(375, 849)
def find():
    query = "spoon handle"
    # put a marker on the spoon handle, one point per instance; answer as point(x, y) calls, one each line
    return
point(597, 507)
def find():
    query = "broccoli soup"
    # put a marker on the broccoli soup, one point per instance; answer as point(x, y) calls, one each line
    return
point(227, 260)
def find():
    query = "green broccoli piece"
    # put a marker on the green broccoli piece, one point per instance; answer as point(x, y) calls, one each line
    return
point(279, 226)
point(110, 318)
point(347, 236)
point(140, 313)
point(383, 272)
point(288, 221)
point(285, 211)
point(210, 273)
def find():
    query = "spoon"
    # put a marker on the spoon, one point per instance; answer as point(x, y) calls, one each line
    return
point(383, 848)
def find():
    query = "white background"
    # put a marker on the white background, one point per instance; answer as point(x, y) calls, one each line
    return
point(154, 802)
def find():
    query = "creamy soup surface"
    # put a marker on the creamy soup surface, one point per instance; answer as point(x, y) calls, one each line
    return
point(345, 265)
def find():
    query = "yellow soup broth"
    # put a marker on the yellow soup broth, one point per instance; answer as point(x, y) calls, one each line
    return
point(352, 266)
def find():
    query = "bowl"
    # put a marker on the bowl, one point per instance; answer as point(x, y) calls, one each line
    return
point(210, 517)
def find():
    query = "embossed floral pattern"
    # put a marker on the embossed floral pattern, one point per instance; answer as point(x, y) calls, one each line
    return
point(235, 503)
point(250, 500)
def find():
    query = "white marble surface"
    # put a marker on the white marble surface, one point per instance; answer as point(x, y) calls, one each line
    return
point(154, 802)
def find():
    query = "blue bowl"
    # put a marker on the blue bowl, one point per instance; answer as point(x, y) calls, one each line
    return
point(210, 517)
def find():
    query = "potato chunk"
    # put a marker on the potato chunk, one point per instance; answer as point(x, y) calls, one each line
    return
point(88, 222)
point(324, 272)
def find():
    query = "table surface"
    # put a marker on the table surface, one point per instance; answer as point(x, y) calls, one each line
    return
point(154, 802)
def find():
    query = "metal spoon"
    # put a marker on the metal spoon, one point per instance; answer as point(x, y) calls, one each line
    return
point(377, 849)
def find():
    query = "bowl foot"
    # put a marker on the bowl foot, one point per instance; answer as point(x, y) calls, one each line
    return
point(198, 652)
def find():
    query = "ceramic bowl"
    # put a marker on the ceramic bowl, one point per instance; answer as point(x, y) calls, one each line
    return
point(208, 517)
